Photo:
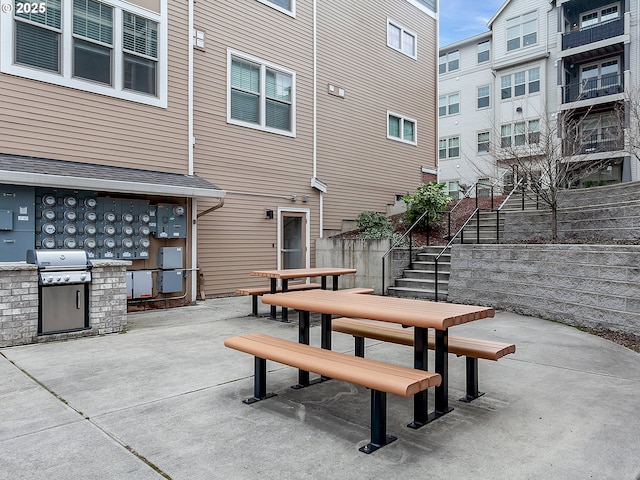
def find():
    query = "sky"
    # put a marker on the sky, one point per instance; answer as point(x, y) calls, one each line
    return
point(460, 19)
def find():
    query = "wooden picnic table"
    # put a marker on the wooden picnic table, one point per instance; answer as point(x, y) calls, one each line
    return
point(420, 314)
point(290, 273)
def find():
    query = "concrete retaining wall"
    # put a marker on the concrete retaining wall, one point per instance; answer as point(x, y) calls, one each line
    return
point(584, 285)
point(365, 255)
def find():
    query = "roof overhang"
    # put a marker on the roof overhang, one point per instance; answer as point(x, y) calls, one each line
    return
point(41, 172)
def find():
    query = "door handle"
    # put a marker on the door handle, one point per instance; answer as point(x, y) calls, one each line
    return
point(78, 299)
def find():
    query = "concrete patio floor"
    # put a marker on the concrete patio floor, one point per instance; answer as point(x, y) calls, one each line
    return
point(163, 401)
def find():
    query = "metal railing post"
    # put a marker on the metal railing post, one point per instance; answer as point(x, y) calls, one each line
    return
point(436, 279)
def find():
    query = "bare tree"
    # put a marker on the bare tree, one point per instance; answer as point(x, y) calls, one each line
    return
point(553, 153)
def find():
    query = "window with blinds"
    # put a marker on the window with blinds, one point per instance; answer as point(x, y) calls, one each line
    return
point(261, 95)
point(401, 128)
point(401, 39)
point(92, 41)
point(91, 45)
point(140, 47)
point(38, 37)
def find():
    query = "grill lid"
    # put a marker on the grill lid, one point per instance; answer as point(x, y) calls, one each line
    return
point(59, 259)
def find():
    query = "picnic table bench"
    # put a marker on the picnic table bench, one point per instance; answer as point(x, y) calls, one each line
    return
point(255, 292)
point(380, 377)
point(471, 348)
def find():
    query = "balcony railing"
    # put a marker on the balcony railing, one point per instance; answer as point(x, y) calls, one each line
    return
point(595, 33)
point(594, 143)
point(593, 88)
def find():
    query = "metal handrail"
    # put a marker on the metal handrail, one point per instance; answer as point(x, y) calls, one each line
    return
point(409, 231)
point(459, 232)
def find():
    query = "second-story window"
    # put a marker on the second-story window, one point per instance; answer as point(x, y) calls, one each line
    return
point(401, 128)
point(401, 39)
point(522, 31)
point(261, 95)
point(112, 47)
point(93, 41)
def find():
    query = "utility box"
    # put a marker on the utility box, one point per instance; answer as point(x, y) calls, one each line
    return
point(142, 284)
point(17, 222)
point(171, 221)
point(170, 281)
point(170, 258)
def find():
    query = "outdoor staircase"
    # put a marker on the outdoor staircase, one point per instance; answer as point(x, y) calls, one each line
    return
point(418, 281)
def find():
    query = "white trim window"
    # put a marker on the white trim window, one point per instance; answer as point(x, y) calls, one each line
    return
point(449, 148)
point(260, 94)
point(401, 39)
point(601, 15)
point(401, 128)
point(448, 104)
point(484, 98)
point(522, 31)
point(527, 81)
point(520, 133)
point(449, 62)
point(484, 142)
point(109, 47)
point(287, 7)
point(484, 51)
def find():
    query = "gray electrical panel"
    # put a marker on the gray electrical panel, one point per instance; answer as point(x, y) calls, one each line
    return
point(170, 258)
point(171, 221)
point(170, 281)
point(17, 217)
point(142, 284)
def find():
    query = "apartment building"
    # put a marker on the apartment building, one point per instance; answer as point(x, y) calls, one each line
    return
point(563, 66)
point(234, 133)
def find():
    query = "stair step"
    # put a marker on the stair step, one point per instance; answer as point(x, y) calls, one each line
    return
point(424, 294)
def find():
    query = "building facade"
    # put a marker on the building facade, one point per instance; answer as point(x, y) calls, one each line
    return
point(233, 133)
point(565, 68)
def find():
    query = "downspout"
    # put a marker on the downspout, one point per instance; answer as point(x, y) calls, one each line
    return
point(190, 140)
point(315, 112)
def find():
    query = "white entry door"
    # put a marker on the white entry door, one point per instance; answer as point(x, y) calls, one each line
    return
point(293, 239)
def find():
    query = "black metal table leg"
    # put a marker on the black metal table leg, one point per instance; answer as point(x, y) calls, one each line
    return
point(303, 337)
point(335, 282)
point(274, 286)
point(442, 391)
point(285, 311)
point(420, 361)
point(323, 282)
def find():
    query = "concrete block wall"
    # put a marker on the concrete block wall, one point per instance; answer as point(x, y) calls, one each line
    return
point(18, 303)
point(597, 214)
point(596, 286)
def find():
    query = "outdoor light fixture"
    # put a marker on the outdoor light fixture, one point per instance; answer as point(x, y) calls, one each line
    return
point(294, 198)
point(305, 198)
point(269, 214)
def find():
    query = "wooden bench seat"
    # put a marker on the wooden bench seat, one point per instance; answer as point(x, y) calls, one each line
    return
point(255, 292)
point(380, 377)
point(471, 348)
point(357, 290)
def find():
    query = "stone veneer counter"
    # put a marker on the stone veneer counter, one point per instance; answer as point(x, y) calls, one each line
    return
point(19, 302)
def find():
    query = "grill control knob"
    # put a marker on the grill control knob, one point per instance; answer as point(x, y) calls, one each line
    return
point(67, 278)
point(58, 279)
point(49, 279)
point(83, 276)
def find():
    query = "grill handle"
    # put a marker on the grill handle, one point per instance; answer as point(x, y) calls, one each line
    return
point(78, 299)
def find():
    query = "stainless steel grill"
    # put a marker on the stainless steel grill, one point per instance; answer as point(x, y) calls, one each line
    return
point(63, 289)
point(60, 267)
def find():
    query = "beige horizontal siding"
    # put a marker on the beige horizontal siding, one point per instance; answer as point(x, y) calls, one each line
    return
point(50, 121)
point(362, 168)
point(260, 170)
